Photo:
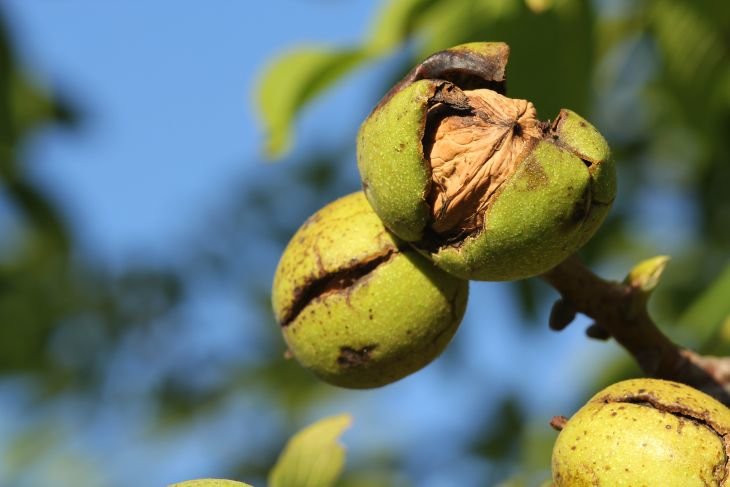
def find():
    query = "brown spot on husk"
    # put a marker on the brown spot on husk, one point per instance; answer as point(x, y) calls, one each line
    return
point(681, 411)
point(351, 357)
point(535, 175)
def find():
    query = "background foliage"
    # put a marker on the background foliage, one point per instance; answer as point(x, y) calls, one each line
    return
point(89, 353)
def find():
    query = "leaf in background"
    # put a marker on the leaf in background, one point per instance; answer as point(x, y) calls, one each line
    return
point(298, 76)
point(23, 104)
point(550, 74)
point(500, 435)
point(539, 6)
point(313, 457)
point(528, 295)
point(210, 483)
point(708, 312)
point(554, 74)
point(692, 46)
point(291, 81)
point(30, 106)
point(396, 22)
point(447, 24)
point(617, 30)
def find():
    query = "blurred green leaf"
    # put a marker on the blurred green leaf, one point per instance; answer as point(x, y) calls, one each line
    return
point(709, 311)
point(536, 448)
point(23, 104)
point(210, 483)
point(458, 21)
point(372, 476)
point(501, 434)
point(291, 81)
point(397, 21)
point(298, 76)
point(313, 457)
point(30, 105)
point(692, 47)
point(528, 293)
point(447, 24)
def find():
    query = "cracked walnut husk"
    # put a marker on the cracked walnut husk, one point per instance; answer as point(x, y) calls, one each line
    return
point(645, 432)
point(356, 305)
point(473, 179)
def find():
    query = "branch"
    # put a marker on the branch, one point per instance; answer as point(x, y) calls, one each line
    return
point(619, 311)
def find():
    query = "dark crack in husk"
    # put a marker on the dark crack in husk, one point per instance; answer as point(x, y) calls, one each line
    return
point(677, 409)
point(340, 280)
point(355, 357)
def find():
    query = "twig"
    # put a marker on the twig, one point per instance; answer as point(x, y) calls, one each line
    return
point(620, 310)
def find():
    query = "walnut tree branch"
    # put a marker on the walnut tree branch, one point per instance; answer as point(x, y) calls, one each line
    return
point(619, 309)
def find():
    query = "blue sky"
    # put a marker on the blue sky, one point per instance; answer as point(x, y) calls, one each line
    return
point(166, 90)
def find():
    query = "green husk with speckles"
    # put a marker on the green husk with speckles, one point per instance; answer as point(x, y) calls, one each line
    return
point(545, 210)
point(644, 432)
point(396, 190)
point(359, 307)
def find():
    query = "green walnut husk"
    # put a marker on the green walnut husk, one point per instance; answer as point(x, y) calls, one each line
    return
point(473, 179)
point(210, 483)
point(359, 307)
point(645, 432)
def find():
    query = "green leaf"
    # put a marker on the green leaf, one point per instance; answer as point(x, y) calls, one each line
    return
point(539, 6)
point(291, 81)
point(298, 76)
point(210, 483)
point(30, 105)
point(447, 24)
point(708, 312)
point(396, 22)
point(313, 457)
point(692, 46)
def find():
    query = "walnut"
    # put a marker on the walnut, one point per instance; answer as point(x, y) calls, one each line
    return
point(472, 179)
point(343, 294)
point(473, 153)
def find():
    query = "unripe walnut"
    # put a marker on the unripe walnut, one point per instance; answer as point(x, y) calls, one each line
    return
point(473, 179)
point(357, 306)
point(645, 432)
